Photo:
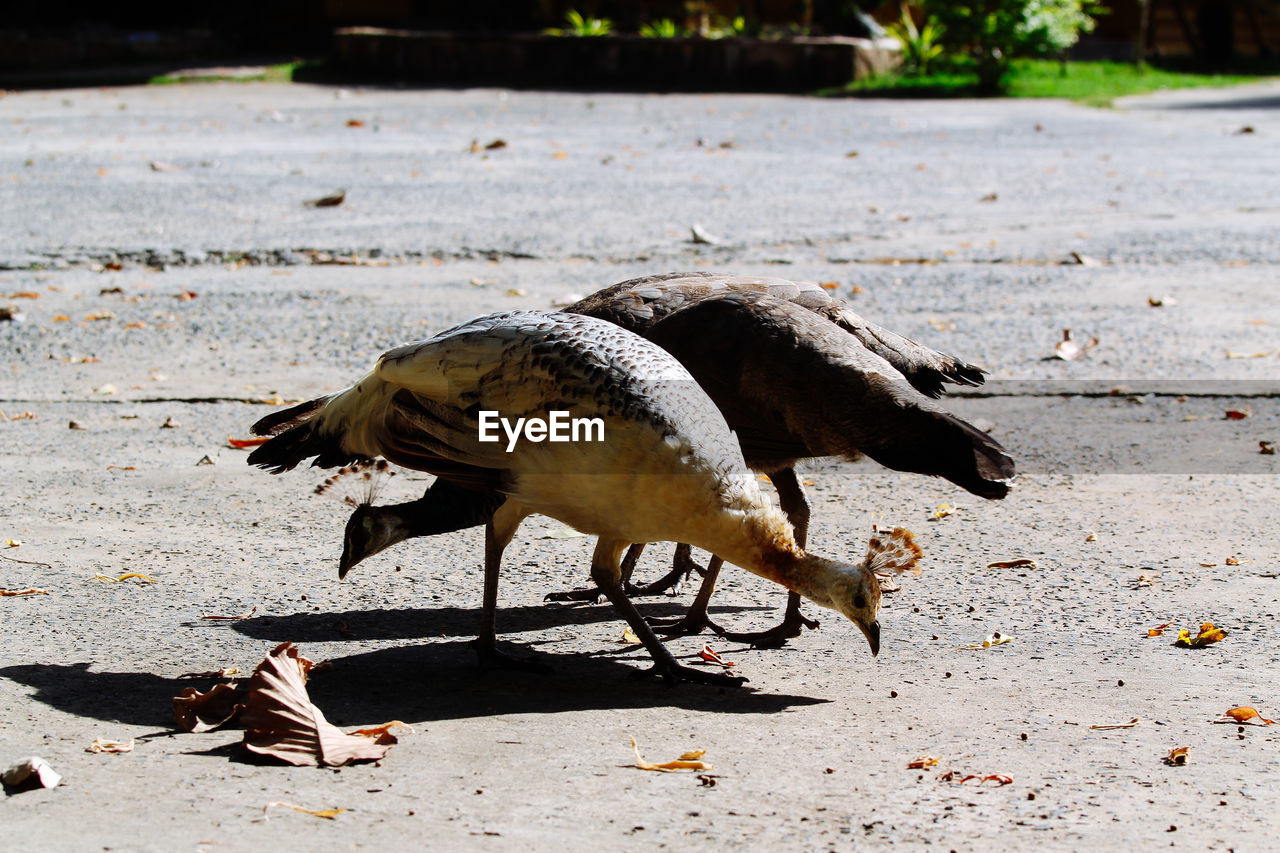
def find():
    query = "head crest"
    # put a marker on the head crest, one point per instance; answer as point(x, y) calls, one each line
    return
point(893, 550)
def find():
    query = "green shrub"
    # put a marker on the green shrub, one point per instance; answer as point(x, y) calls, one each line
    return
point(579, 25)
point(995, 31)
point(920, 45)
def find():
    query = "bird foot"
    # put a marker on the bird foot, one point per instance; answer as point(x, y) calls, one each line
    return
point(491, 658)
point(593, 594)
point(687, 625)
point(674, 673)
point(775, 637)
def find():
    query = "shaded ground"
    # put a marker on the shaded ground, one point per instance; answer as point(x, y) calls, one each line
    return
point(230, 293)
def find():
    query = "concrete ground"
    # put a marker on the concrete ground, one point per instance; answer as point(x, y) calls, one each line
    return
point(158, 263)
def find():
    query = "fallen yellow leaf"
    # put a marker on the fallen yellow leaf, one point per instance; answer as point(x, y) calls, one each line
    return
point(328, 814)
point(100, 745)
point(1208, 636)
point(1178, 756)
point(923, 761)
point(1020, 562)
point(681, 763)
point(1244, 714)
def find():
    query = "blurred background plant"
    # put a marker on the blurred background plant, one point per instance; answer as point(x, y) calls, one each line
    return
point(920, 45)
point(577, 24)
point(994, 32)
point(664, 28)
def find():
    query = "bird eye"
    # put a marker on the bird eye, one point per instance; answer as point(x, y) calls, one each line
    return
point(859, 602)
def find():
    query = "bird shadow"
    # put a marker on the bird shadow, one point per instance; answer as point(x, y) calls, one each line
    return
point(445, 621)
point(416, 683)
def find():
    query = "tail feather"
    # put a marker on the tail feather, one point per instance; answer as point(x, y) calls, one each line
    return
point(286, 450)
point(957, 451)
point(278, 422)
point(926, 369)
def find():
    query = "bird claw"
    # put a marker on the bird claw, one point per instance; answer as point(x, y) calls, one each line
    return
point(775, 637)
point(685, 626)
point(592, 594)
point(676, 673)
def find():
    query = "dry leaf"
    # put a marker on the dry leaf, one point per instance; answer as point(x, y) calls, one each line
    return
point(1267, 448)
point(1001, 779)
point(382, 733)
point(1158, 631)
point(1069, 349)
point(328, 814)
point(99, 315)
point(1208, 636)
point(1018, 563)
point(241, 443)
point(1177, 757)
point(1234, 354)
point(629, 637)
point(225, 672)
point(354, 122)
point(923, 761)
point(830, 285)
point(24, 294)
point(124, 577)
point(1161, 301)
point(993, 639)
point(194, 711)
point(709, 654)
point(943, 511)
point(332, 200)
point(160, 166)
point(1127, 725)
point(31, 591)
point(517, 291)
point(31, 773)
point(701, 237)
point(989, 197)
point(1236, 561)
point(1085, 260)
point(101, 745)
point(1246, 715)
point(212, 616)
point(496, 144)
point(680, 763)
point(12, 543)
point(281, 722)
point(1141, 582)
point(1237, 414)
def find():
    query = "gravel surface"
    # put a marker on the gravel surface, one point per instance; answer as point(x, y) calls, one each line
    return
point(159, 265)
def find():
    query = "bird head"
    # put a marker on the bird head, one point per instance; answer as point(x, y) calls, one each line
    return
point(369, 530)
point(855, 592)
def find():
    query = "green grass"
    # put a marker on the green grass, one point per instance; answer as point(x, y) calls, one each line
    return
point(1092, 83)
point(281, 73)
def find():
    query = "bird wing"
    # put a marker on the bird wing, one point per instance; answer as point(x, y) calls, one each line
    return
point(787, 378)
point(639, 303)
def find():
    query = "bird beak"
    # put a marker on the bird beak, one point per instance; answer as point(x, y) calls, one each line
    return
point(347, 560)
point(873, 637)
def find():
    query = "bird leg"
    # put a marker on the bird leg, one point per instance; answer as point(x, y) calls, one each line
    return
point(682, 566)
point(497, 534)
point(793, 502)
point(695, 620)
point(607, 573)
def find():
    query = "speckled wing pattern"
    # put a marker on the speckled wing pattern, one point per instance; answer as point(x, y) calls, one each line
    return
point(640, 303)
point(525, 364)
